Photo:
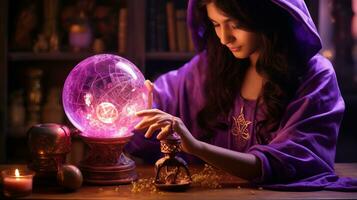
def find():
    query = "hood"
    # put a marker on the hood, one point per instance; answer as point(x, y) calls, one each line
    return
point(304, 28)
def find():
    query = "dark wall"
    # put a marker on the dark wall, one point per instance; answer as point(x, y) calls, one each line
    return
point(3, 78)
point(347, 139)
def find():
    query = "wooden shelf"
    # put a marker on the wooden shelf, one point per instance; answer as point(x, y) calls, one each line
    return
point(51, 56)
point(169, 56)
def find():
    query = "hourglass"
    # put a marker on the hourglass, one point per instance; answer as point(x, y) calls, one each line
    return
point(171, 171)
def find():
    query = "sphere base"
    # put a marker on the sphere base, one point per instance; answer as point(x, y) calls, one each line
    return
point(104, 162)
point(110, 175)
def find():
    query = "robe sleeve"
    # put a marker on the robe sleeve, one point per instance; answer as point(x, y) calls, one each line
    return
point(302, 154)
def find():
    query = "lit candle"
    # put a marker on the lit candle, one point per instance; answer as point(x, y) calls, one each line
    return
point(17, 182)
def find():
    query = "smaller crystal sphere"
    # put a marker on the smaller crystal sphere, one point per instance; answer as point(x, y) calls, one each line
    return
point(101, 95)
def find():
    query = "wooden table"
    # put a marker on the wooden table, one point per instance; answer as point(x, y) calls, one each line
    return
point(232, 188)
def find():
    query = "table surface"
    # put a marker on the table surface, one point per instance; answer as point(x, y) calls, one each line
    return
point(231, 188)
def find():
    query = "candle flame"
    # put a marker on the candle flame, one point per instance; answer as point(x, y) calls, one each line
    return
point(17, 173)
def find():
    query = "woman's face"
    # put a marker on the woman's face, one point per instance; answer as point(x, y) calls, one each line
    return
point(241, 43)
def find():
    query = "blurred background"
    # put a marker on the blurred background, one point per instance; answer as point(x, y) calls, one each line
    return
point(42, 40)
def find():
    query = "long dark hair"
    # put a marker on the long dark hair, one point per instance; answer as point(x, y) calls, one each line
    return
point(279, 63)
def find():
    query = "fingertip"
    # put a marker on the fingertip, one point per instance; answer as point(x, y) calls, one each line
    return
point(159, 136)
point(148, 82)
point(147, 135)
point(138, 113)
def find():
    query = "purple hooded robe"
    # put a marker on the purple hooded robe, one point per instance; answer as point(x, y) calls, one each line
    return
point(301, 155)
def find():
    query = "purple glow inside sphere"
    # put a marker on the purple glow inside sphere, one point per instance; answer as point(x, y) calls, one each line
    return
point(101, 95)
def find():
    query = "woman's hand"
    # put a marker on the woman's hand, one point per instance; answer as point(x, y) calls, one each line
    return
point(154, 119)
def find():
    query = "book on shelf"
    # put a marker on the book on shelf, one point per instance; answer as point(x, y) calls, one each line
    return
point(181, 30)
point(171, 26)
point(122, 32)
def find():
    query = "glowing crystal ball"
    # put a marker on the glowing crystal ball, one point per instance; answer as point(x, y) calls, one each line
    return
point(101, 95)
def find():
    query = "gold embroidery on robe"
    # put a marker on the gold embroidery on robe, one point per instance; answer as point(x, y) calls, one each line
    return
point(240, 126)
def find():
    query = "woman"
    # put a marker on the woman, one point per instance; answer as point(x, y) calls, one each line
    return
point(258, 101)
